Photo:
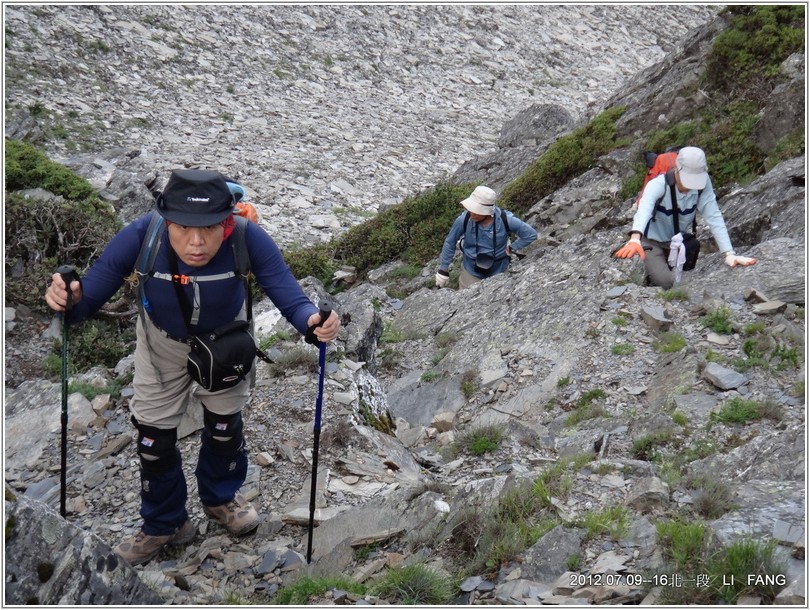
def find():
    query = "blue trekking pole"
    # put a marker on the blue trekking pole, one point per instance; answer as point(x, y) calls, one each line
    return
point(68, 274)
point(325, 309)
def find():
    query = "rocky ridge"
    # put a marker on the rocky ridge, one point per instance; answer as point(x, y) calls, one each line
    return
point(550, 320)
point(325, 113)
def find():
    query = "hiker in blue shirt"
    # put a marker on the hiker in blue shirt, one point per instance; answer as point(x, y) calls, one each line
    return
point(194, 261)
point(665, 256)
point(485, 249)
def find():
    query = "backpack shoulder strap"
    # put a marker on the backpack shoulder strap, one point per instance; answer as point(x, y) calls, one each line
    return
point(240, 252)
point(466, 222)
point(670, 180)
point(505, 220)
point(241, 259)
point(151, 244)
point(147, 254)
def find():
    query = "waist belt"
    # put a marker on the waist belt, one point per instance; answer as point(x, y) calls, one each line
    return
point(165, 334)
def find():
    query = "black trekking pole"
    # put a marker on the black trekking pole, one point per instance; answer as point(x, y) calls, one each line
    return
point(325, 309)
point(68, 274)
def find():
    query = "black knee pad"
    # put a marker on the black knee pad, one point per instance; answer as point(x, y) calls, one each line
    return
point(223, 434)
point(156, 447)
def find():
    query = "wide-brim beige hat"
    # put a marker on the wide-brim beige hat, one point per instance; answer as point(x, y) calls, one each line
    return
point(482, 201)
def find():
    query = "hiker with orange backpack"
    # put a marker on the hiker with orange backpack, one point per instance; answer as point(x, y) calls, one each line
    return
point(193, 295)
point(667, 206)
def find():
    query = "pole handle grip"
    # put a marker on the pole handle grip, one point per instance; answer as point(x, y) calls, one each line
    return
point(324, 310)
point(69, 274)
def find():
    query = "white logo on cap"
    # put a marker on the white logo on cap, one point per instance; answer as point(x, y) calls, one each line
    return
point(203, 199)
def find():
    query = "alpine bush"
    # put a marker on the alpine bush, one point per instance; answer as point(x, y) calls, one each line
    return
point(45, 232)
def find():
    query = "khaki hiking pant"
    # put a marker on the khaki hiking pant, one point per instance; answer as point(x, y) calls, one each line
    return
point(163, 387)
point(656, 263)
point(467, 279)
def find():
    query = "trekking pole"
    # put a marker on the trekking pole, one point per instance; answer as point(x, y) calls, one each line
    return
point(325, 309)
point(68, 274)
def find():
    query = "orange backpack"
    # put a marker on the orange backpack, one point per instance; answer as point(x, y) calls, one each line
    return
point(658, 164)
point(246, 210)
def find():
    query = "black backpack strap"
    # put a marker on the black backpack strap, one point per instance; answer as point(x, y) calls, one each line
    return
point(675, 211)
point(240, 253)
point(505, 220)
point(146, 256)
point(676, 222)
point(241, 258)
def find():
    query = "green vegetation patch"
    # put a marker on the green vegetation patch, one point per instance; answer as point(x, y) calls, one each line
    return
point(43, 234)
point(718, 320)
point(306, 588)
point(414, 585)
point(570, 156)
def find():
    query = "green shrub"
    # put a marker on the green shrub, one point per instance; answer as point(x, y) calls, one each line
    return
point(754, 328)
point(414, 584)
point(469, 384)
point(680, 419)
point(682, 543)
point(43, 234)
point(430, 376)
point(586, 409)
point(718, 320)
point(589, 396)
point(304, 589)
point(439, 356)
point(481, 541)
point(271, 340)
point(405, 272)
point(96, 342)
point(669, 342)
point(315, 261)
point(414, 230)
point(739, 410)
point(570, 156)
point(613, 521)
point(674, 294)
point(713, 356)
point(788, 356)
point(622, 349)
point(644, 448)
point(712, 498)
point(29, 168)
point(732, 567)
point(482, 439)
point(752, 49)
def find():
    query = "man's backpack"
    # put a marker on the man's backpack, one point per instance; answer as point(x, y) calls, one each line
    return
point(657, 164)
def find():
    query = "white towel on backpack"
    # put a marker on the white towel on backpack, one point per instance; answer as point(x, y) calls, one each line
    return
point(677, 256)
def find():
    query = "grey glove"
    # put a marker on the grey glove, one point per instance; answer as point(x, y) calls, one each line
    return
point(442, 277)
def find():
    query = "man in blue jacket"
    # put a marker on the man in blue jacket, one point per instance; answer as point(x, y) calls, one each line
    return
point(197, 207)
point(485, 248)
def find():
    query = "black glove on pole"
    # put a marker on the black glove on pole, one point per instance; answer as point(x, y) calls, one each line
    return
point(68, 274)
point(325, 311)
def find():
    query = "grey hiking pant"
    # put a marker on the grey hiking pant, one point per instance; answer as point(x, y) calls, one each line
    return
point(656, 263)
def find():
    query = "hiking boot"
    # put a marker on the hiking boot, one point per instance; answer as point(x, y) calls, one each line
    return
point(142, 547)
point(238, 516)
